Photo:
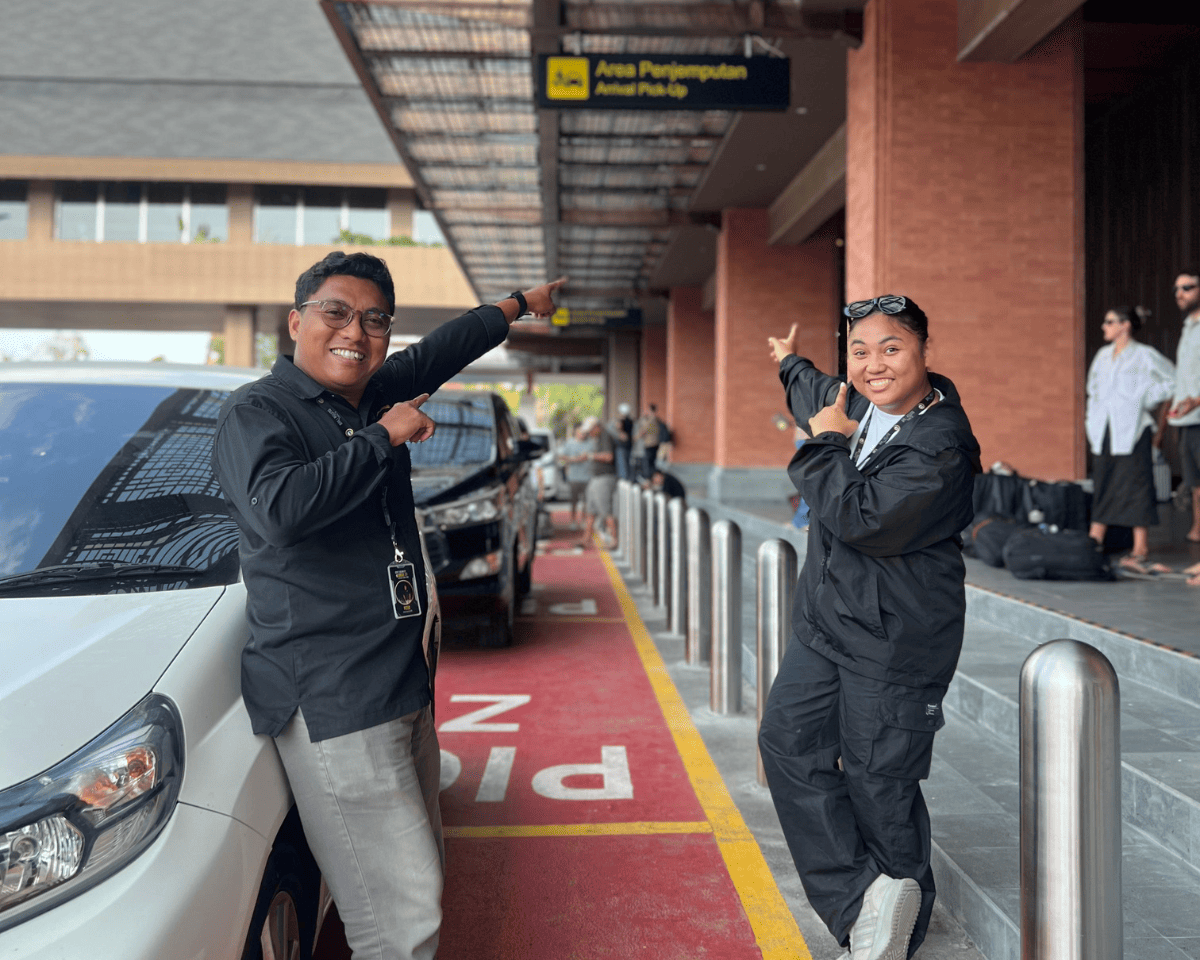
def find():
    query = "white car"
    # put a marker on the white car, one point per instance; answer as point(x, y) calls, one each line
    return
point(140, 819)
point(552, 485)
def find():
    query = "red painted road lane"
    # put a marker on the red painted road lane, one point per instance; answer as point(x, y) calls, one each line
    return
point(586, 690)
point(667, 898)
point(573, 829)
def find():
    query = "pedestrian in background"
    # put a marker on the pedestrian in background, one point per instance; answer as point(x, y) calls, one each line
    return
point(622, 431)
point(1185, 405)
point(653, 432)
point(1127, 383)
point(598, 497)
point(877, 625)
point(577, 470)
point(340, 599)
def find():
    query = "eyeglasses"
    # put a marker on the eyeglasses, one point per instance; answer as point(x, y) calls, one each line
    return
point(888, 304)
point(336, 314)
point(1185, 287)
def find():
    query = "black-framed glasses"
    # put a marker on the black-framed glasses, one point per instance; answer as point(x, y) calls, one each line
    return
point(887, 304)
point(337, 314)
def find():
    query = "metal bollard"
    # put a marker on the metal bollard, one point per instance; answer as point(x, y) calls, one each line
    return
point(677, 605)
point(1070, 805)
point(699, 587)
point(662, 565)
point(776, 585)
point(725, 687)
point(636, 543)
point(647, 538)
point(618, 553)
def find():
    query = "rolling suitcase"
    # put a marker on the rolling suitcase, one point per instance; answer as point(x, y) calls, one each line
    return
point(1038, 554)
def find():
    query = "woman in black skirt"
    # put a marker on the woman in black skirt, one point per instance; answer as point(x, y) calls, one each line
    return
point(1125, 384)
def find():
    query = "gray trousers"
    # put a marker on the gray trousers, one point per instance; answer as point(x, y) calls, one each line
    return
point(369, 805)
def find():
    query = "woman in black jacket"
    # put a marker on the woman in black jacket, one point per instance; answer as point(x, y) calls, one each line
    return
point(877, 625)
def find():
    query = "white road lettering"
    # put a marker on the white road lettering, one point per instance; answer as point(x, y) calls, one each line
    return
point(494, 784)
point(584, 608)
point(451, 768)
point(470, 722)
point(613, 768)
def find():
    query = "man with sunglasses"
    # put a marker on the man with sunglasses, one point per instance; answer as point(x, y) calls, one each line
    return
point(1185, 407)
point(341, 605)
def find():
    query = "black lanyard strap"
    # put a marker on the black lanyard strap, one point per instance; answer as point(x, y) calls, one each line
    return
point(929, 401)
point(387, 514)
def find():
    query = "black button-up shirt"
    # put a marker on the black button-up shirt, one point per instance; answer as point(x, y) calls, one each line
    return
point(306, 490)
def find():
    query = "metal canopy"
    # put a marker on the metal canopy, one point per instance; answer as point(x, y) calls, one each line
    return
point(524, 194)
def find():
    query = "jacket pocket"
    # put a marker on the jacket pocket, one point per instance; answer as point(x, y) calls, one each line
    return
point(903, 744)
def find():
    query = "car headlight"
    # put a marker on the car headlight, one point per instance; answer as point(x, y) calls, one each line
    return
point(87, 817)
point(476, 509)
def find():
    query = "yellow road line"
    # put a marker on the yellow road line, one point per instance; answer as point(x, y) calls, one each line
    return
point(641, 829)
point(775, 928)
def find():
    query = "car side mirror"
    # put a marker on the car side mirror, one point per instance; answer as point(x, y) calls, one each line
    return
point(533, 448)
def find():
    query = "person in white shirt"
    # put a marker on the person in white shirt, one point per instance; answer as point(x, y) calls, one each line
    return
point(1185, 407)
point(1126, 383)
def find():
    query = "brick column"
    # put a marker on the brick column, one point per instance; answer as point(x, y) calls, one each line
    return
point(964, 190)
point(690, 354)
point(761, 292)
point(653, 377)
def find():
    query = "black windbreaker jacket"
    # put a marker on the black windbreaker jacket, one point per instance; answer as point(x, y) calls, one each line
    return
point(882, 590)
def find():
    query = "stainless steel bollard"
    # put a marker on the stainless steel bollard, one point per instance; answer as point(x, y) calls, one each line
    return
point(699, 587)
point(619, 516)
point(662, 564)
point(776, 585)
point(649, 538)
point(725, 687)
point(636, 522)
point(1070, 805)
point(677, 605)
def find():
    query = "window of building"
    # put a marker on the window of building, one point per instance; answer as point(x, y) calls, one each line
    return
point(319, 215)
point(14, 209)
point(120, 212)
point(206, 213)
point(75, 214)
point(425, 228)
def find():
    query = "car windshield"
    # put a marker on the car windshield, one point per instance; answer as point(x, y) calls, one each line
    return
point(109, 489)
point(465, 435)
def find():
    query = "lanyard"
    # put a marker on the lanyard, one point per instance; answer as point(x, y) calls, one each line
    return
point(930, 399)
point(387, 515)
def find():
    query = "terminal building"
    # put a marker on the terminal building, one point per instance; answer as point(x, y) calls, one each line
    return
point(1015, 166)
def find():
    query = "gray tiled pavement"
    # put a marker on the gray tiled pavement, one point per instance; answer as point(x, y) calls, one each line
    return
point(1150, 632)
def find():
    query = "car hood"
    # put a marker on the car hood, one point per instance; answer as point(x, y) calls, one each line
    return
point(71, 666)
point(431, 485)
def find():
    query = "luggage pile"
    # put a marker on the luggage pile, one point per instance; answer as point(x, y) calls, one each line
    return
point(1035, 528)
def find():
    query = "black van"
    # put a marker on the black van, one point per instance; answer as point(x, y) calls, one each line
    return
point(477, 501)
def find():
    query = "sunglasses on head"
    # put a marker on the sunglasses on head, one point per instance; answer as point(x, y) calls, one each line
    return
point(888, 304)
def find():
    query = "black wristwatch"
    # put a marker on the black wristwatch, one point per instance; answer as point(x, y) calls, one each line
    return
point(522, 306)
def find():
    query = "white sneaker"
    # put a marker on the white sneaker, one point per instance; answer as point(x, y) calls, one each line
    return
point(885, 922)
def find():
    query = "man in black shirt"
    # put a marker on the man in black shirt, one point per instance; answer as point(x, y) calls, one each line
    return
point(340, 598)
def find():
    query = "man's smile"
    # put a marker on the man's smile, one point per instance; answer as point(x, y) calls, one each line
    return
point(348, 354)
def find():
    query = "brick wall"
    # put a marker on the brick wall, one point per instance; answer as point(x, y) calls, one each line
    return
point(654, 369)
point(761, 292)
point(690, 355)
point(964, 191)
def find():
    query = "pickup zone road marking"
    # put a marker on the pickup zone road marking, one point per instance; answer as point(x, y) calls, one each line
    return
point(641, 829)
point(775, 928)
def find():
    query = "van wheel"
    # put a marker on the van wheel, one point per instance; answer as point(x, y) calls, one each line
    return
point(499, 631)
point(282, 927)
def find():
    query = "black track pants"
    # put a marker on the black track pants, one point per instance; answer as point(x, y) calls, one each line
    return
point(845, 827)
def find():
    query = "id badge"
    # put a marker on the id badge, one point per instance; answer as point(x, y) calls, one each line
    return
point(406, 602)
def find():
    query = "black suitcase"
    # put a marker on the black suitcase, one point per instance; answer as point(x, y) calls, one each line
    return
point(1035, 554)
point(1062, 504)
point(989, 534)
